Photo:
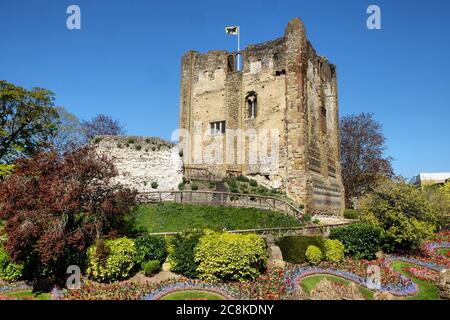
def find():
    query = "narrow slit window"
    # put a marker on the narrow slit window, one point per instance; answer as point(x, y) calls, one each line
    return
point(231, 64)
point(323, 119)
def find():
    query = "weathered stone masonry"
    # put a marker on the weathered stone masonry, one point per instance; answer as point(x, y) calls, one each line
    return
point(296, 93)
point(143, 160)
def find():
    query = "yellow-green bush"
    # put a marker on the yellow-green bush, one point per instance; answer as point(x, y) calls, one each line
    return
point(5, 169)
point(403, 211)
point(334, 250)
point(227, 256)
point(9, 270)
point(313, 255)
point(118, 263)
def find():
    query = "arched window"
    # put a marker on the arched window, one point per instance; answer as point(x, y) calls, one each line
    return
point(252, 105)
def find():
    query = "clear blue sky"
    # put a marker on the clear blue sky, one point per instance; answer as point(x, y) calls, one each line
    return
point(125, 61)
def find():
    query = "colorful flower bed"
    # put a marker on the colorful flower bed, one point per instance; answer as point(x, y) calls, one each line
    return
point(112, 291)
point(421, 273)
point(404, 287)
point(430, 255)
point(359, 267)
point(269, 286)
point(15, 286)
point(186, 285)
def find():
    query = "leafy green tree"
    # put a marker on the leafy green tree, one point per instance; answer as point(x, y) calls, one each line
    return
point(70, 135)
point(402, 210)
point(27, 121)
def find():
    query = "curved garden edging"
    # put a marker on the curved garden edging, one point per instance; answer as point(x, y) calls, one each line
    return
point(294, 276)
point(22, 285)
point(189, 285)
point(297, 274)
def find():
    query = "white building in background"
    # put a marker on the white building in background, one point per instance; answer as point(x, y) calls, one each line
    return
point(430, 178)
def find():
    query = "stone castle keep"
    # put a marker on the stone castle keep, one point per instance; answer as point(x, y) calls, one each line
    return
point(283, 91)
point(283, 86)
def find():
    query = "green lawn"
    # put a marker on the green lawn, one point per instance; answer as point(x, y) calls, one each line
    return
point(443, 251)
point(192, 295)
point(29, 295)
point(174, 217)
point(309, 283)
point(427, 290)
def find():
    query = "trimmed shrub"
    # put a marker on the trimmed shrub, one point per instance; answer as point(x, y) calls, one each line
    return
point(181, 186)
point(182, 254)
point(151, 267)
point(253, 183)
point(334, 250)
point(154, 185)
point(150, 248)
point(313, 255)
point(360, 240)
point(9, 271)
point(194, 186)
point(294, 247)
point(212, 185)
point(242, 178)
point(351, 214)
point(5, 169)
point(117, 265)
point(224, 256)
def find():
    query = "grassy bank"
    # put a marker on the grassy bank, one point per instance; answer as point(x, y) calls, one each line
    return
point(174, 217)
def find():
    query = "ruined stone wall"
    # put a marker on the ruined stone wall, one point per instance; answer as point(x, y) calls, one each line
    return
point(143, 160)
point(293, 86)
point(324, 168)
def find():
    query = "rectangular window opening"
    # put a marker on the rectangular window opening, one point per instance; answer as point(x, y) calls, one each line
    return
point(217, 128)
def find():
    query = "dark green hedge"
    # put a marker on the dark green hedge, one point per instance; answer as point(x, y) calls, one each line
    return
point(361, 240)
point(351, 214)
point(183, 253)
point(294, 248)
point(150, 248)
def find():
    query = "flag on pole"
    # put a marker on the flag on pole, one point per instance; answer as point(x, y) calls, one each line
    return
point(232, 30)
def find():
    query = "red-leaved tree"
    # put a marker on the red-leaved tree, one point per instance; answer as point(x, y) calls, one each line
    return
point(55, 207)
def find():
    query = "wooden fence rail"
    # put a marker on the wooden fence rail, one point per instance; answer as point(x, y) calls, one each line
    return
point(198, 173)
point(218, 198)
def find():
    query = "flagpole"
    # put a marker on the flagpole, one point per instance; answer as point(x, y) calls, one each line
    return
point(239, 49)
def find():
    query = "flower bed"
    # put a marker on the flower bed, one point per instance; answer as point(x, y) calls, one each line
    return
point(169, 287)
point(421, 273)
point(360, 268)
point(269, 286)
point(112, 291)
point(404, 287)
point(420, 261)
point(14, 286)
point(430, 254)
